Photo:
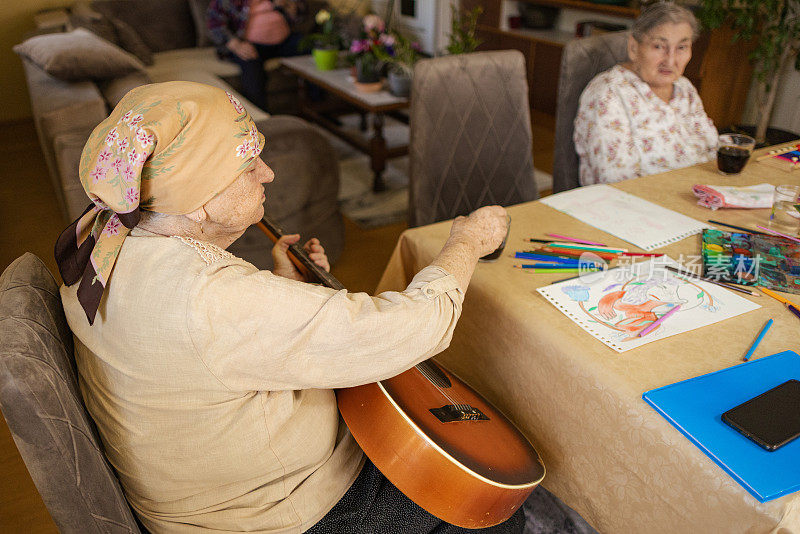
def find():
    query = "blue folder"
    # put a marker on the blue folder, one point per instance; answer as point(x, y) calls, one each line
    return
point(695, 407)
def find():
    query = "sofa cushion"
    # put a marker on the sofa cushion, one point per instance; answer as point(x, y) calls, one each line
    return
point(113, 90)
point(129, 40)
point(78, 55)
point(192, 59)
point(68, 147)
point(203, 76)
point(83, 16)
point(161, 24)
point(199, 8)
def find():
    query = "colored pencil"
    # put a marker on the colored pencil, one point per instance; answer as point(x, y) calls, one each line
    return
point(743, 229)
point(545, 257)
point(794, 310)
point(579, 253)
point(659, 321)
point(578, 246)
point(582, 266)
point(777, 297)
point(773, 232)
point(533, 240)
point(543, 252)
point(715, 282)
point(560, 271)
point(648, 254)
point(575, 240)
point(758, 339)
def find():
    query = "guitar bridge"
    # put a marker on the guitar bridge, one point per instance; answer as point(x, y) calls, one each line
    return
point(458, 412)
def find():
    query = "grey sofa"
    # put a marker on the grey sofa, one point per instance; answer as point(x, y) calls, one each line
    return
point(166, 34)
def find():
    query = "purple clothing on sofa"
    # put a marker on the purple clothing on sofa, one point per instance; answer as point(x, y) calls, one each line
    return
point(227, 19)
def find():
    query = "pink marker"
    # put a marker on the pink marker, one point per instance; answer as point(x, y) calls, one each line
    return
point(659, 321)
point(778, 233)
point(576, 240)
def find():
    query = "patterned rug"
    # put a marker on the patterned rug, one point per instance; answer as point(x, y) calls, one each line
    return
point(357, 201)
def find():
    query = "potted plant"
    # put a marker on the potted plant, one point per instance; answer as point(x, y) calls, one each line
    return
point(775, 24)
point(325, 44)
point(400, 56)
point(372, 42)
point(462, 38)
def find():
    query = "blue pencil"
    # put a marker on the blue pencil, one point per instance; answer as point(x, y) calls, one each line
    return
point(543, 257)
point(557, 266)
point(759, 337)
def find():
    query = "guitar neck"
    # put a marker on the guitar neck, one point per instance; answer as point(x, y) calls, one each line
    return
point(299, 256)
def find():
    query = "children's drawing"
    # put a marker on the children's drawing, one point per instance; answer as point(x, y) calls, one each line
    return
point(616, 307)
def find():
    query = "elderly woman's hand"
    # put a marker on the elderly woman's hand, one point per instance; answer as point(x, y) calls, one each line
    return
point(283, 266)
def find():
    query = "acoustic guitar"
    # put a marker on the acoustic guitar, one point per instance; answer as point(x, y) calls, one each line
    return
point(437, 440)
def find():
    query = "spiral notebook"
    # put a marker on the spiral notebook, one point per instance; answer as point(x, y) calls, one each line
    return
point(615, 305)
point(695, 407)
point(637, 221)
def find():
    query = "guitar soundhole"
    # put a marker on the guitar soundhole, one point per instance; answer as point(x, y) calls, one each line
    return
point(434, 374)
point(451, 413)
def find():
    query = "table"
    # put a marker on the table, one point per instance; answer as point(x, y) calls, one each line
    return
point(608, 454)
point(339, 83)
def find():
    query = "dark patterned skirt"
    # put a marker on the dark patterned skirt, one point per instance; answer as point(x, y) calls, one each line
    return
point(373, 505)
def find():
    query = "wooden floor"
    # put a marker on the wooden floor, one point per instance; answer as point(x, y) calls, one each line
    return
point(30, 221)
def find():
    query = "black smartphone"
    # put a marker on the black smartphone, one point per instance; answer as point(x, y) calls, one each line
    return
point(772, 419)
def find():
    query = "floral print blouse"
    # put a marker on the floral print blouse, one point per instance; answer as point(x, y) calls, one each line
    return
point(623, 130)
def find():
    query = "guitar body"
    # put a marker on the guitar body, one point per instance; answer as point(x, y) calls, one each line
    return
point(443, 445)
point(464, 462)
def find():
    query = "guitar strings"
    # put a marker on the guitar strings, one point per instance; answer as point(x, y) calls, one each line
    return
point(427, 375)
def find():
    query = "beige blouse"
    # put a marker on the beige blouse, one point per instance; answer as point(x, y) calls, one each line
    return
point(210, 381)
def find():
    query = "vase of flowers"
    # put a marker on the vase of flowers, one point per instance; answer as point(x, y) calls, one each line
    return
point(366, 51)
point(404, 54)
point(325, 44)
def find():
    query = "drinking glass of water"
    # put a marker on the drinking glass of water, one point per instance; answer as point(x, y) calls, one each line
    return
point(785, 216)
point(733, 151)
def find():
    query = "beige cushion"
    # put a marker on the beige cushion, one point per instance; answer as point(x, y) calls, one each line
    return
point(129, 40)
point(78, 55)
point(114, 89)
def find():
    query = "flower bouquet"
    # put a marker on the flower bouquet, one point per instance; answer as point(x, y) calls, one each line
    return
point(400, 54)
point(365, 51)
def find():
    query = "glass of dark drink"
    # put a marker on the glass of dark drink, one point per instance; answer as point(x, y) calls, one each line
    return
point(733, 151)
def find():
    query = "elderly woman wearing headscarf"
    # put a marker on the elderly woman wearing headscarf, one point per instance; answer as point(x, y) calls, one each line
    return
point(210, 381)
point(643, 116)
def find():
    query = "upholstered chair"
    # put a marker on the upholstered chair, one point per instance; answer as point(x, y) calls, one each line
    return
point(42, 405)
point(581, 60)
point(470, 140)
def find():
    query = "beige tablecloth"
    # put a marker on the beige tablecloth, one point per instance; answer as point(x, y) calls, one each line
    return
point(608, 454)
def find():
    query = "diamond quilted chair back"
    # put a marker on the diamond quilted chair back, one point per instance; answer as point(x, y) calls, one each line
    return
point(470, 140)
point(581, 61)
point(42, 405)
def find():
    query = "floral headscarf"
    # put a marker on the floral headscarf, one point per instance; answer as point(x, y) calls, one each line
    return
point(167, 147)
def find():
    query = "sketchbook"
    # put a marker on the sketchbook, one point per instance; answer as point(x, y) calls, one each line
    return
point(637, 221)
point(615, 305)
point(695, 407)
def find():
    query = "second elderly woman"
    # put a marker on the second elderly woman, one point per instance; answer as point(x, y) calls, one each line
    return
point(643, 116)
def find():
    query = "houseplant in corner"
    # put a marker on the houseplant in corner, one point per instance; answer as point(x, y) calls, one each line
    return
point(401, 62)
point(325, 44)
point(462, 38)
point(775, 25)
point(365, 51)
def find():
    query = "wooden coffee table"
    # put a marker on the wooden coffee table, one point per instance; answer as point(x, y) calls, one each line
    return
point(339, 83)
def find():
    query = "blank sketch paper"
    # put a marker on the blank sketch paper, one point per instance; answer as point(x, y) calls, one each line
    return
point(637, 221)
point(615, 305)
